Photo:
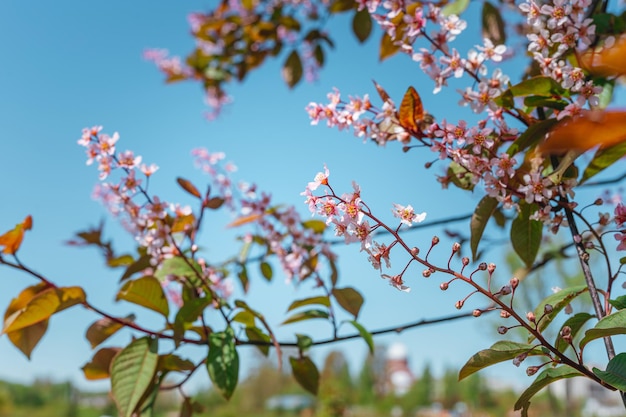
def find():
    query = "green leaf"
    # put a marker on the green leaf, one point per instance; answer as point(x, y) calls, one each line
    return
point(603, 158)
point(255, 334)
point(322, 300)
point(146, 292)
point(318, 54)
point(549, 102)
point(611, 325)
point(526, 234)
point(139, 265)
point(306, 373)
point(537, 86)
point(104, 328)
point(387, 47)
point(493, 24)
point(190, 312)
point(179, 267)
point(484, 210)
point(132, 374)
point(307, 315)
point(245, 317)
point(615, 374)
point(532, 136)
point(316, 226)
point(243, 278)
point(500, 351)
point(619, 303)
point(223, 362)
point(367, 336)
point(122, 260)
point(334, 274)
point(362, 24)
point(559, 300)
point(172, 362)
point(456, 7)
point(545, 378)
point(292, 69)
point(349, 299)
point(266, 271)
point(304, 342)
point(576, 322)
point(460, 177)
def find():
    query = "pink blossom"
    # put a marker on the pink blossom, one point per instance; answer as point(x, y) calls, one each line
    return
point(407, 214)
point(621, 237)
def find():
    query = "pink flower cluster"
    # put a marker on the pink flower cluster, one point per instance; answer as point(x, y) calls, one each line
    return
point(351, 219)
point(555, 29)
point(296, 245)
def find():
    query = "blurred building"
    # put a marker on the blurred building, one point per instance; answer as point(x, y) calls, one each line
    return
point(398, 376)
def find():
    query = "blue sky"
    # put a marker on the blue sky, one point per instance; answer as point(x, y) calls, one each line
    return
point(68, 65)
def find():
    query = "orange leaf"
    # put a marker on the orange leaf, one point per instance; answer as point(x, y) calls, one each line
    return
point(608, 61)
point(12, 239)
point(411, 110)
point(591, 129)
point(245, 220)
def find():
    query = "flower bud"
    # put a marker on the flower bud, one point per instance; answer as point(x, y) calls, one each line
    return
point(514, 282)
point(598, 202)
point(435, 240)
point(427, 164)
point(415, 251)
point(531, 316)
point(503, 329)
point(444, 286)
point(482, 266)
point(547, 309)
point(426, 273)
point(458, 305)
point(456, 246)
point(465, 261)
point(491, 267)
point(505, 314)
point(532, 370)
point(519, 359)
point(506, 290)
point(477, 313)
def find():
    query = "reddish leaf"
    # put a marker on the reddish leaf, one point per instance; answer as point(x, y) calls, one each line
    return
point(381, 92)
point(591, 129)
point(189, 187)
point(411, 110)
point(607, 62)
point(104, 328)
point(245, 220)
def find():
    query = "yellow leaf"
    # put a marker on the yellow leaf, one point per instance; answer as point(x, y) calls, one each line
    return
point(12, 239)
point(411, 111)
point(607, 61)
point(26, 339)
point(584, 132)
point(100, 364)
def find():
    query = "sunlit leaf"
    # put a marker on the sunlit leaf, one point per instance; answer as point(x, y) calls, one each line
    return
point(526, 234)
point(306, 374)
point(100, 364)
point(500, 351)
point(483, 212)
point(603, 158)
point(223, 362)
point(456, 7)
point(610, 325)
point(559, 300)
point(179, 267)
point(545, 378)
point(292, 69)
point(537, 86)
point(607, 62)
point(307, 315)
point(493, 24)
point(615, 373)
point(132, 373)
point(146, 292)
point(189, 187)
point(245, 317)
point(245, 220)
point(255, 334)
point(411, 111)
point(12, 239)
point(317, 226)
point(172, 362)
point(104, 328)
point(367, 336)
point(591, 129)
point(349, 299)
point(139, 265)
point(362, 24)
point(322, 300)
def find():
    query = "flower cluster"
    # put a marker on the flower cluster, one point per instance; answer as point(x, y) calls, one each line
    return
point(351, 219)
point(556, 29)
point(296, 244)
